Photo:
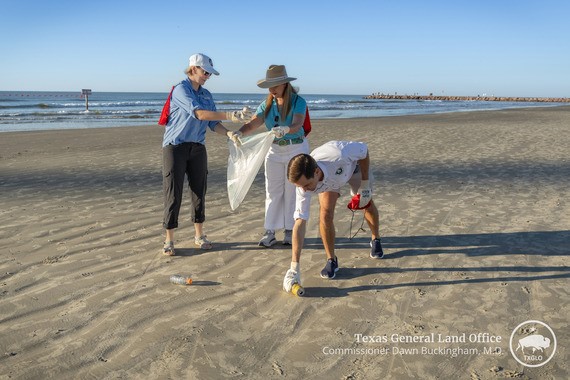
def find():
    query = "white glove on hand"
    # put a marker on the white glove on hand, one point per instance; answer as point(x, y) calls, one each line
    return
point(365, 193)
point(242, 116)
point(280, 131)
point(235, 137)
point(291, 277)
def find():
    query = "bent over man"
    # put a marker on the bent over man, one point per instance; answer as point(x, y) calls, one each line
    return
point(323, 172)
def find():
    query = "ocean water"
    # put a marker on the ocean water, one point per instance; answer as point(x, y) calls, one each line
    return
point(28, 111)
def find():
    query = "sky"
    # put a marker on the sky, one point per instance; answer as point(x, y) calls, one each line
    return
point(501, 48)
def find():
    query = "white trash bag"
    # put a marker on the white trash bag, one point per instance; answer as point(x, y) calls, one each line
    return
point(244, 162)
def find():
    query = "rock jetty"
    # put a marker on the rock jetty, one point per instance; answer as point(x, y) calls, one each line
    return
point(478, 98)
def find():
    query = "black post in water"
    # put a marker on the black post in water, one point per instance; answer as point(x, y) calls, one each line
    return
point(86, 92)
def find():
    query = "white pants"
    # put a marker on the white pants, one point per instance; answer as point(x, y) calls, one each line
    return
point(279, 192)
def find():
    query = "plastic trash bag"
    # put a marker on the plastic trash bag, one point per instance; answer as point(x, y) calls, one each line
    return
point(244, 163)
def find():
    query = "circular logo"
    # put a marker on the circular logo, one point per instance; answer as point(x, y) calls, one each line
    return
point(533, 343)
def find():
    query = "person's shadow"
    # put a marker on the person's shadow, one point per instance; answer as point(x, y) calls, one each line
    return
point(545, 244)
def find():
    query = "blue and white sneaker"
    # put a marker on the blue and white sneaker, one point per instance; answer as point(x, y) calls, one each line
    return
point(268, 239)
point(329, 271)
point(376, 251)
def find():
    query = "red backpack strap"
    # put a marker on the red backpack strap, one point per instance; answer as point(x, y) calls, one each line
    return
point(165, 114)
point(307, 123)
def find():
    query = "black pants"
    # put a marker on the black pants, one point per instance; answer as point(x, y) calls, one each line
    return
point(188, 159)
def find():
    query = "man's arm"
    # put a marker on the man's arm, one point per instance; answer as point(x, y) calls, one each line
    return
point(298, 239)
point(364, 190)
point(364, 165)
point(293, 275)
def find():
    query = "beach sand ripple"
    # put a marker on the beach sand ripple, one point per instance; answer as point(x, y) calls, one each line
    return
point(475, 222)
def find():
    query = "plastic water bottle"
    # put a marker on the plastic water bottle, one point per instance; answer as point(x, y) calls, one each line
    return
point(180, 280)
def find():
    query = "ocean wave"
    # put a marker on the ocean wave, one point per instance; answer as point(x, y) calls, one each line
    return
point(230, 102)
point(353, 102)
point(92, 113)
point(27, 106)
point(145, 103)
point(124, 108)
point(127, 104)
point(318, 101)
point(85, 117)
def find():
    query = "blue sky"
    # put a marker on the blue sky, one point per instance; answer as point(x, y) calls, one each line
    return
point(502, 48)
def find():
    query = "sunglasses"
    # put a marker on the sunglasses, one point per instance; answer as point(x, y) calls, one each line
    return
point(205, 72)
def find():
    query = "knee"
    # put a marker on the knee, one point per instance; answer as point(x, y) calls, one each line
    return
point(327, 216)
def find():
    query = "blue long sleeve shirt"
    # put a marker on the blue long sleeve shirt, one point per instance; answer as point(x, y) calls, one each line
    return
point(183, 126)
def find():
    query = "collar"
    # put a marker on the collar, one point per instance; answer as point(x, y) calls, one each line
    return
point(188, 83)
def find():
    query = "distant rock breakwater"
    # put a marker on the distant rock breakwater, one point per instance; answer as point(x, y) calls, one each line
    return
point(478, 98)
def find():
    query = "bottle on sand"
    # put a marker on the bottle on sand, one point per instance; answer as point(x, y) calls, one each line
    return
point(180, 280)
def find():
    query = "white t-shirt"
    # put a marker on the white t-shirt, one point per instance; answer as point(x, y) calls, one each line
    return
point(337, 160)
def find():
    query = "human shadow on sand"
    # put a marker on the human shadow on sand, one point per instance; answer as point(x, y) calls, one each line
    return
point(205, 283)
point(240, 246)
point(543, 243)
point(331, 291)
point(246, 246)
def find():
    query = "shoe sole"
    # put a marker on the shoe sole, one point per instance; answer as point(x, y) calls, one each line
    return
point(333, 276)
point(372, 255)
point(271, 243)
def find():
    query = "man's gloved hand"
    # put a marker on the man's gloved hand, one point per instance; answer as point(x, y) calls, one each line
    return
point(242, 116)
point(235, 137)
point(291, 277)
point(365, 194)
point(280, 131)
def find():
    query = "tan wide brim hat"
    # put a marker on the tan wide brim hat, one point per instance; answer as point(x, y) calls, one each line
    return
point(276, 75)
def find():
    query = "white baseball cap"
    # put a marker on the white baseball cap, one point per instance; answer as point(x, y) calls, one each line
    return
point(204, 62)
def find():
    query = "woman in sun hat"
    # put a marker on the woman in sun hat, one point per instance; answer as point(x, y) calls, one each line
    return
point(192, 111)
point(283, 112)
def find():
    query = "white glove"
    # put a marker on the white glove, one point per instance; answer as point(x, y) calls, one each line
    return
point(365, 193)
point(291, 277)
point(242, 116)
point(280, 131)
point(235, 137)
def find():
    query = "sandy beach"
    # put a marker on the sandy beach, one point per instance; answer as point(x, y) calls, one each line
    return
point(475, 223)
